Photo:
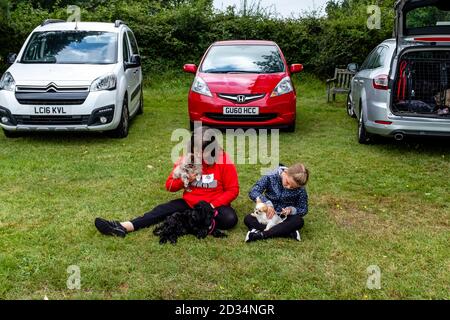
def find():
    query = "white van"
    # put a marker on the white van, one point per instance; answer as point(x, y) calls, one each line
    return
point(73, 76)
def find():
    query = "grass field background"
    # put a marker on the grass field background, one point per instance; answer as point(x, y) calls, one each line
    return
point(385, 204)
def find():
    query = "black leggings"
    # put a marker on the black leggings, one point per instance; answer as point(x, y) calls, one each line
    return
point(284, 229)
point(226, 219)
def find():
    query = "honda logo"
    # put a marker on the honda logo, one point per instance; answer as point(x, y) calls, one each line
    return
point(241, 99)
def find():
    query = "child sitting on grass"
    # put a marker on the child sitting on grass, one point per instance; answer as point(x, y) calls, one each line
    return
point(283, 191)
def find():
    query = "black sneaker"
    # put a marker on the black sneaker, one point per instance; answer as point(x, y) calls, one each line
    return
point(110, 228)
point(254, 236)
point(295, 235)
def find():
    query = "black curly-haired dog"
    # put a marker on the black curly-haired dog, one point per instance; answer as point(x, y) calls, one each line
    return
point(198, 221)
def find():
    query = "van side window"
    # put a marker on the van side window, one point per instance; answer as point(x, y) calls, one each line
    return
point(134, 46)
point(126, 49)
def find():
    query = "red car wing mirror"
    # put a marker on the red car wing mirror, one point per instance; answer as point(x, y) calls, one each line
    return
point(190, 68)
point(296, 68)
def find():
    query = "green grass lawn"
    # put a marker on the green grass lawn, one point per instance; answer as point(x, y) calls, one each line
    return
point(385, 204)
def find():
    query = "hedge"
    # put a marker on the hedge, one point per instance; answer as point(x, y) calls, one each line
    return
point(171, 33)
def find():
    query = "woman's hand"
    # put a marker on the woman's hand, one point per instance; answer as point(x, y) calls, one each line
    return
point(286, 211)
point(270, 212)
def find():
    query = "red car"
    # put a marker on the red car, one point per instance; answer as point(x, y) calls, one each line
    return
point(243, 84)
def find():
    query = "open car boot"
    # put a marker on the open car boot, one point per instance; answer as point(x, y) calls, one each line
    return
point(423, 84)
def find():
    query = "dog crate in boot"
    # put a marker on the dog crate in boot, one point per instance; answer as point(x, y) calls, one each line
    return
point(422, 87)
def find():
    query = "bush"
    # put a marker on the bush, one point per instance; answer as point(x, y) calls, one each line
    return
point(171, 33)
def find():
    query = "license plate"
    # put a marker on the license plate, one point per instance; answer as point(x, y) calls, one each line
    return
point(248, 111)
point(50, 110)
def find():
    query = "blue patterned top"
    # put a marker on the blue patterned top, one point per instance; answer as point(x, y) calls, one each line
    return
point(271, 191)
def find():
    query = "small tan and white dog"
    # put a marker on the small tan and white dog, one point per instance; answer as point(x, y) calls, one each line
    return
point(187, 168)
point(260, 214)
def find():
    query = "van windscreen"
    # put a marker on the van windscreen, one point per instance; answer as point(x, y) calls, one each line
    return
point(71, 47)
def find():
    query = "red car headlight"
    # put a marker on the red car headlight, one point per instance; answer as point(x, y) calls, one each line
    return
point(285, 86)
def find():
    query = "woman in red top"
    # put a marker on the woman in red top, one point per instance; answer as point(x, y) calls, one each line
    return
point(218, 186)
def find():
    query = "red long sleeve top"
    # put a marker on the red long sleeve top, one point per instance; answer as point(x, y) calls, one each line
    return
point(219, 184)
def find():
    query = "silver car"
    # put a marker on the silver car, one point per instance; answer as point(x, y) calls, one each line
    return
point(403, 87)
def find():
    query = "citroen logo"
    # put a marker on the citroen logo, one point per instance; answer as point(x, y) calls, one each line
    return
point(51, 87)
point(241, 98)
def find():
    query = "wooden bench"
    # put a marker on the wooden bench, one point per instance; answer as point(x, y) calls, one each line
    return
point(340, 84)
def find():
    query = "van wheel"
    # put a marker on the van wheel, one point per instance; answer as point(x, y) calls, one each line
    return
point(122, 129)
point(350, 109)
point(12, 134)
point(363, 136)
point(141, 103)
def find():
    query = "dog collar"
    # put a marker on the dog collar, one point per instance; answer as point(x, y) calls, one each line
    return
point(213, 222)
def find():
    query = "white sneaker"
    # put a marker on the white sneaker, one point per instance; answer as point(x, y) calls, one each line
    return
point(247, 237)
point(296, 236)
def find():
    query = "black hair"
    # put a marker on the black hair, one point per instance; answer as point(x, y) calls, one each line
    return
point(208, 141)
